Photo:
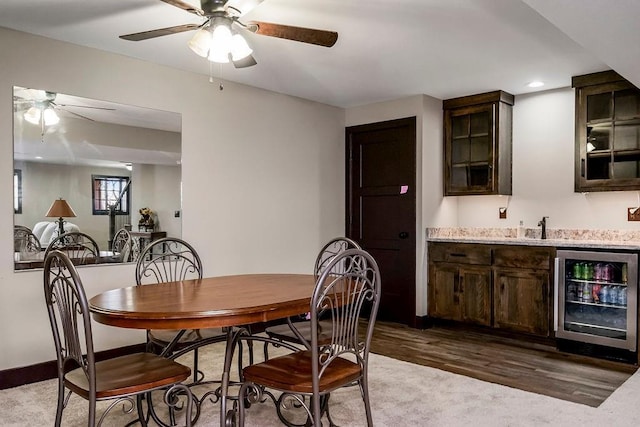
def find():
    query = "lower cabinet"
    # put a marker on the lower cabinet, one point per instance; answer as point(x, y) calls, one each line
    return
point(502, 286)
point(461, 293)
point(521, 300)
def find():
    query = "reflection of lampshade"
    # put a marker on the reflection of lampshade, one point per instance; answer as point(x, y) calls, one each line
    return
point(50, 117)
point(32, 115)
point(61, 209)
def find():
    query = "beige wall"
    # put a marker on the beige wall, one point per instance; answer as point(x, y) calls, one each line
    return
point(543, 175)
point(262, 176)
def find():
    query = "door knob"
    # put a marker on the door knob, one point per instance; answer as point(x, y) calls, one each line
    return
point(403, 235)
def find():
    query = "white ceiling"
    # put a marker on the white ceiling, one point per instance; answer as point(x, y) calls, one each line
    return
point(385, 50)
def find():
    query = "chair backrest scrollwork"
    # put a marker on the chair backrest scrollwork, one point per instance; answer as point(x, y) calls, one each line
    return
point(168, 260)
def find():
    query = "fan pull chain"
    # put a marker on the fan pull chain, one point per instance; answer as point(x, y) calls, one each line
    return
point(42, 130)
point(211, 74)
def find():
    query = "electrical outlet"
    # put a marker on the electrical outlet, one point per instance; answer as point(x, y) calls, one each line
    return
point(633, 214)
point(502, 213)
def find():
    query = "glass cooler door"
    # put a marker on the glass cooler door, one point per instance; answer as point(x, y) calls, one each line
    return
point(596, 298)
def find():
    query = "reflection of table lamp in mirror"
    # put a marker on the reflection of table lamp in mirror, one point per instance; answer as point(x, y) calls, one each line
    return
point(60, 209)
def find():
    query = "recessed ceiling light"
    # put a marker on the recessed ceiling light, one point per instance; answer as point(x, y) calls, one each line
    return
point(535, 83)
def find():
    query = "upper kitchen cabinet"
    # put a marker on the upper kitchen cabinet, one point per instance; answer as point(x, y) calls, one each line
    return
point(607, 133)
point(477, 144)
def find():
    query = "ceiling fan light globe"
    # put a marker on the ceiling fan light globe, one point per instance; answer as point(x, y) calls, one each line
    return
point(220, 44)
point(219, 56)
point(201, 42)
point(239, 48)
point(32, 115)
point(50, 117)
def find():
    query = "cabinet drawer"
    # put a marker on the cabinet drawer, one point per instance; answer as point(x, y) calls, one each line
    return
point(523, 257)
point(460, 253)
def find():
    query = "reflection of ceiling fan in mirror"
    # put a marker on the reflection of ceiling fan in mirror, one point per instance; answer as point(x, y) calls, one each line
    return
point(219, 37)
point(40, 107)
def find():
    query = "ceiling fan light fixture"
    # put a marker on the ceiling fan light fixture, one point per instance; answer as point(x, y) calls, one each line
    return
point(32, 115)
point(201, 42)
point(50, 117)
point(220, 44)
point(239, 47)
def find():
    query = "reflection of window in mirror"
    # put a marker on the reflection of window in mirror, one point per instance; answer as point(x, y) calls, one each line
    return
point(110, 192)
point(17, 191)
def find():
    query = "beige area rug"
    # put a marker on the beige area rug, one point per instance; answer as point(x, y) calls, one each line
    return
point(402, 394)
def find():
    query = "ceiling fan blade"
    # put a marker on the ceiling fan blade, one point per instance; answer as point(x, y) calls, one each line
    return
point(299, 34)
point(76, 114)
point(144, 35)
point(185, 6)
point(84, 106)
point(249, 61)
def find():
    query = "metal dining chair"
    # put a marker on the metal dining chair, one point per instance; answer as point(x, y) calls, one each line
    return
point(24, 241)
point(298, 330)
point(121, 379)
point(347, 294)
point(80, 247)
point(122, 245)
point(169, 260)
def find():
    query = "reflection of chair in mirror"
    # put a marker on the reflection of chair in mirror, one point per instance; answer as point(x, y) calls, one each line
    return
point(120, 379)
point(121, 245)
point(79, 247)
point(24, 241)
point(347, 294)
point(299, 332)
point(168, 260)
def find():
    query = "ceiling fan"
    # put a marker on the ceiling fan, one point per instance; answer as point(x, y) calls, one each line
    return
point(218, 37)
point(40, 107)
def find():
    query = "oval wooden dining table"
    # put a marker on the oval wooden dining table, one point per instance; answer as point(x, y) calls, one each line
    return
point(211, 302)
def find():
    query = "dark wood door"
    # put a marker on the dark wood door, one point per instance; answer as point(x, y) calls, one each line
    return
point(381, 208)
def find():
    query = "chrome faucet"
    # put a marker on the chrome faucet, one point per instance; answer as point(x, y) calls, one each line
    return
point(543, 223)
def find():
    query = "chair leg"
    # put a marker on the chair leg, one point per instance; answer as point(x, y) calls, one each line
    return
point(364, 390)
point(60, 406)
point(317, 412)
point(91, 421)
point(195, 366)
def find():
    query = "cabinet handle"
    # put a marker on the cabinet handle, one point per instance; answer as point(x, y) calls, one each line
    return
point(582, 168)
point(461, 285)
point(457, 255)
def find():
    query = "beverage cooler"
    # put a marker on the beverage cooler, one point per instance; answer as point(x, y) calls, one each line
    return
point(596, 300)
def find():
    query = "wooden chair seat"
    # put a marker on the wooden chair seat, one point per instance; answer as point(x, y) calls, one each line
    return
point(292, 372)
point(127, 375)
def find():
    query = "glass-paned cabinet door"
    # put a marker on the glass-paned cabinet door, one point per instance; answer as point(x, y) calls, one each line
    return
point(607, 134)
point(472, 148)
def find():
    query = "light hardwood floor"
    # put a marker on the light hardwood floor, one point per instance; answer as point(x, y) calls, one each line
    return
point(533, 367)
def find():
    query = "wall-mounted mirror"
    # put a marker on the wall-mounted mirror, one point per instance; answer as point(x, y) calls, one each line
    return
point(107, 161)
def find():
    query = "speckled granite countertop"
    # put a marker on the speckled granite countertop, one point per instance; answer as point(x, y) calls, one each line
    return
point(559, 238)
